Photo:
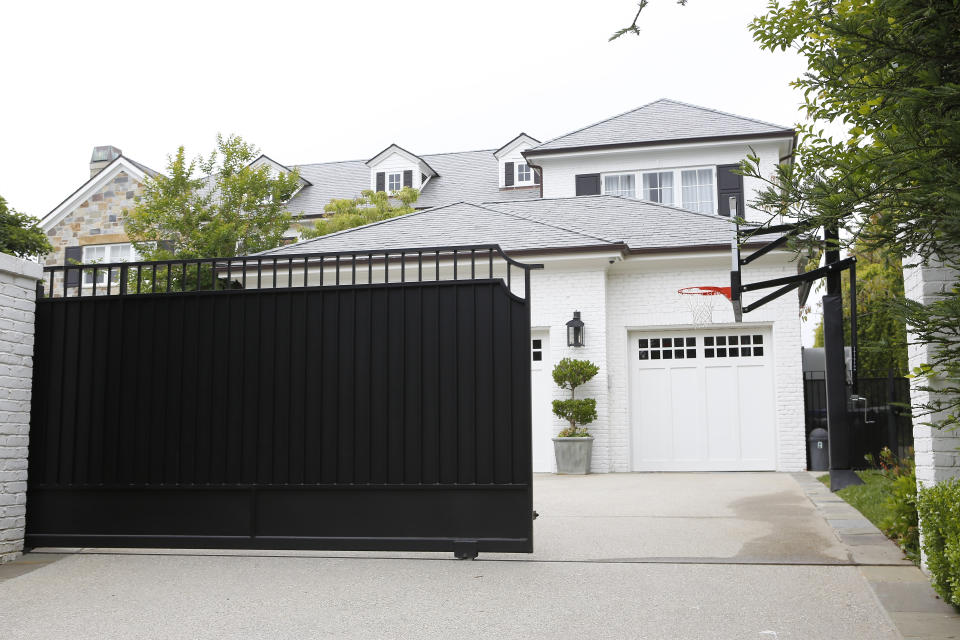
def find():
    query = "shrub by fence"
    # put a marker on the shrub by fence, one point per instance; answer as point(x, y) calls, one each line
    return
point(939, 507)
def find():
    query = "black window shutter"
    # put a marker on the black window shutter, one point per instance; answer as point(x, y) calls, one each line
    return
point(588, 184)
point(165, 245)
point(508, 174)
point(729, 184)
point(408, 178)
point(381, 181)
point(536, 176)
point(71, 256)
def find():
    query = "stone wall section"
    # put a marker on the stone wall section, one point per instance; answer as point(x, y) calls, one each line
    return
point(18, 290)
point(97, 220)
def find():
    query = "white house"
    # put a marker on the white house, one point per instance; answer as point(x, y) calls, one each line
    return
point(633, 209)
point(622, 214)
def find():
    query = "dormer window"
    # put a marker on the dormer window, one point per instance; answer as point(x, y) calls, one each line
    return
point(394, 181)
point(524, 174)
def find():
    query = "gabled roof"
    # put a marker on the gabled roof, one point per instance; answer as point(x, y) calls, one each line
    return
point(412, 157)
point(522, 138)
point(470, 176)
point(461, 223)
point(267, 160)
point(557, 225)
point(659, 122)
point(639, 224)
point(87, 189)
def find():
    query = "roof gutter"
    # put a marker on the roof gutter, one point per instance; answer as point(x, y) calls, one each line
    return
point(652, 143)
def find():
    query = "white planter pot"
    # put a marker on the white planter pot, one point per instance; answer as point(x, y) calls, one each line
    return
point(573, 455)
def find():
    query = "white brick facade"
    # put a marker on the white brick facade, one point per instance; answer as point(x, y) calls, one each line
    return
point(18, 290)
point(937, 454)
point(639, 293)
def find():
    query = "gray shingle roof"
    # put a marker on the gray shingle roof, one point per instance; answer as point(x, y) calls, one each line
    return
point(467, 176)
point(639, 224)
point(558, 224)
point(663, 120)
point(456, 224)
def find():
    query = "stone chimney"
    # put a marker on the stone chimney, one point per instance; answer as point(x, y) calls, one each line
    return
point(102, 156)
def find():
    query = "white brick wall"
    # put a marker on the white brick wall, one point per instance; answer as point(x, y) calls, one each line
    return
point(557, 293)
point(937, 453)
point(18, 282)
point(641, 292)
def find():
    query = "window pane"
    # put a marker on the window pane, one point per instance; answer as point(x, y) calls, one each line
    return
point(658, 187)
point(523, 172)
point(623, 184)
point(697, 190)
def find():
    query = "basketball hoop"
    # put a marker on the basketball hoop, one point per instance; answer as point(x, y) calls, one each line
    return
point(700, 301)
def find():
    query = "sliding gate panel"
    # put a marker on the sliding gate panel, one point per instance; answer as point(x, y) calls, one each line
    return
point(363, 415)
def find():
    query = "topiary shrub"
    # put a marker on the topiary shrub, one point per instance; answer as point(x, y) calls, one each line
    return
point(570, 374)
point(939, 508)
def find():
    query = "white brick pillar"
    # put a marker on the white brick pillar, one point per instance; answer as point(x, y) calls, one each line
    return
point(18, 292)
point(936, 450)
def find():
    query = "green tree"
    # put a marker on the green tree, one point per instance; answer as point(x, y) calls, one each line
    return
point(881, 331)
point(887, 70)
point(212, 207)
point(20, 234)
point(371, 206)
point(570, 374)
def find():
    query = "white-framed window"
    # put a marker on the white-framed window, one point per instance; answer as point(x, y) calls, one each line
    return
point(524, 174)
point(106, 253)
point(697, 189)
point(658, 187)
point(394, 182)
point(620, 184)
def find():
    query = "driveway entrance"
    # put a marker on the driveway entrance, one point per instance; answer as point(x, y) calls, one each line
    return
point(738, 556)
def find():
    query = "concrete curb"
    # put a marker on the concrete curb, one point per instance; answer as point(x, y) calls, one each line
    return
point(901, 588)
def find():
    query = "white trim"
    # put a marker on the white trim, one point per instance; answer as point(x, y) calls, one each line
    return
point(94, 184)
point(520, 140)
point(425, 168)
point(559, 153)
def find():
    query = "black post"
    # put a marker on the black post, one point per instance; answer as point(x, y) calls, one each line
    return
point(854, 347)
point(838, 425)
point(893, 433)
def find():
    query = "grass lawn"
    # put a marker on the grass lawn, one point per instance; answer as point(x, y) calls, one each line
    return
point(869, 498)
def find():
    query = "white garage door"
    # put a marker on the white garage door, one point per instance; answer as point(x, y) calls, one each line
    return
point(702, 400)
point(541, 383)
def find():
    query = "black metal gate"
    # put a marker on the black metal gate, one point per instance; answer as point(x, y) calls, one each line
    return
point(336, 401)
point(881, 417)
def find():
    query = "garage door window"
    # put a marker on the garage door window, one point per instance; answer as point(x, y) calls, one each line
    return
point(733, 346)
point(667, 348)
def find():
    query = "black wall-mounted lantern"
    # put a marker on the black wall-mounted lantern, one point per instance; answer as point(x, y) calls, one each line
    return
point(575, 331)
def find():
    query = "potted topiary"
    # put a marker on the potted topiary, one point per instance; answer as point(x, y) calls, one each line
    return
point(574, 444)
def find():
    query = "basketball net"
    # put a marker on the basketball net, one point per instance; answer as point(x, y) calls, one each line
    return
point(700, 301)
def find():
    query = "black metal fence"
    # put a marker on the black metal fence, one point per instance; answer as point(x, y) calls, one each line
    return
point(880, 418)
point(336, 401)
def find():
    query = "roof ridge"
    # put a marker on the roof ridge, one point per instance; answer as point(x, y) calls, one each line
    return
point(548, 224)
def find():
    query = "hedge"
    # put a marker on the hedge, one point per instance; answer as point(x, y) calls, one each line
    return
point(939, 508)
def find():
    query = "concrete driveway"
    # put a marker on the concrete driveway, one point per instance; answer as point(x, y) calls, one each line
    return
point(733, 555)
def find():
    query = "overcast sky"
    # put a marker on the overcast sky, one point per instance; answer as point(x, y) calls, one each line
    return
point(318, 81)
